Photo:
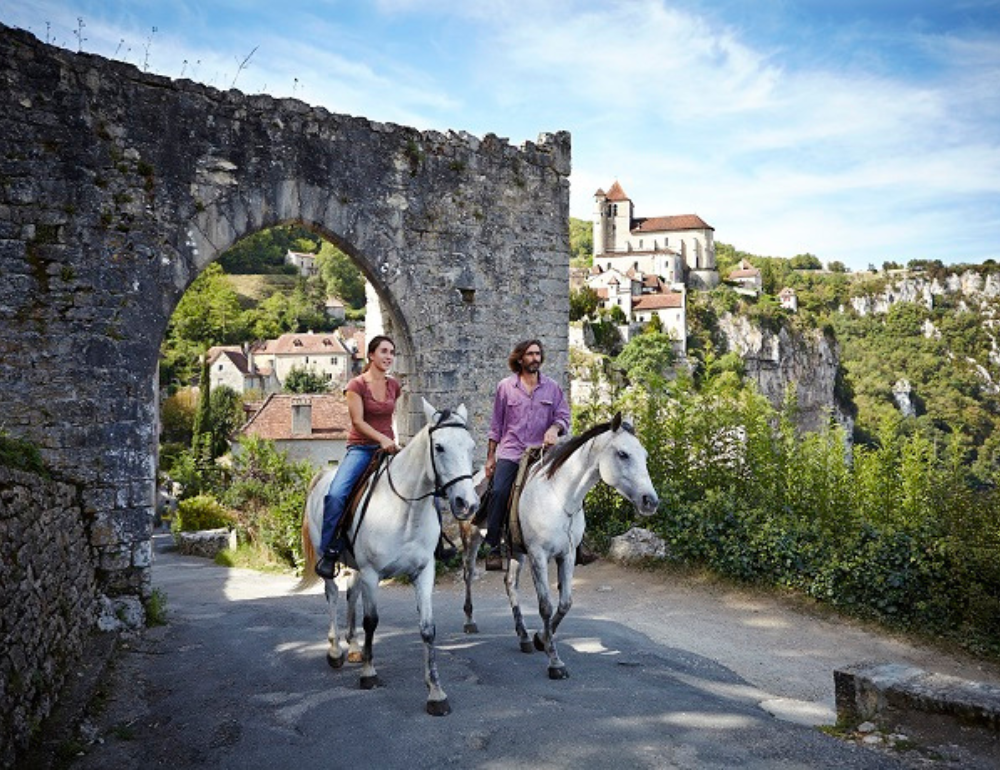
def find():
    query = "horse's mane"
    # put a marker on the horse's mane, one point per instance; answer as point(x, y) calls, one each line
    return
point(558, 456)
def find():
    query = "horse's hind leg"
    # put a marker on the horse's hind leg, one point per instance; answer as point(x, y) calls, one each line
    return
point(471, 538)
point(353, 645)
point(437, 700)
point(512, 581)
point(334, 655)
point(544, 641)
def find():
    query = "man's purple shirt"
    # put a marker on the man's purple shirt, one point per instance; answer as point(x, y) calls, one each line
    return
point(520, 421)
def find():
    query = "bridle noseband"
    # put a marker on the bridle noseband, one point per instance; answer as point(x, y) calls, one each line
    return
point(439, 488)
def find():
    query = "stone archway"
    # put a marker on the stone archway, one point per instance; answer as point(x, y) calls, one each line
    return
point(118, 187)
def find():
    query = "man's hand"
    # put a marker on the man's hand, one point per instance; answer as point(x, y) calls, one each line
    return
point(551, 435)
point(491, 465)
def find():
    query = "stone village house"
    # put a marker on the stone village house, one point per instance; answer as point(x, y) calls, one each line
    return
point(265, 365)
point(309, 427)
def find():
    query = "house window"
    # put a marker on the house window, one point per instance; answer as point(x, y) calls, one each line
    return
point(220, 367)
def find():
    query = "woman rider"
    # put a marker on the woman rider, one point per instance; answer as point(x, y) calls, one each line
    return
point(371, 401)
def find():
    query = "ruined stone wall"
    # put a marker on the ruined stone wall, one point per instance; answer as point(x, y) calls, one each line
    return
point(118, 187)
point(48, 600)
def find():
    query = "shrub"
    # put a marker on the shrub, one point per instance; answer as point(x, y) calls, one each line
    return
point(201, 512)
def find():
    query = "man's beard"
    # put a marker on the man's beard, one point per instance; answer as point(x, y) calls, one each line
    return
point(532, 368)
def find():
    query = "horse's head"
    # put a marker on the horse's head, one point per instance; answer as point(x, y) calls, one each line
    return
point(452, 451)
point(623, 466)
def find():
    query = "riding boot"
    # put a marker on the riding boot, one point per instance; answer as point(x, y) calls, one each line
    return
point(494, 560)
point(328, 565)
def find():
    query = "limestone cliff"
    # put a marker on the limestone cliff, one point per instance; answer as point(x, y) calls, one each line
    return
point(808, 361)
point(915, 287)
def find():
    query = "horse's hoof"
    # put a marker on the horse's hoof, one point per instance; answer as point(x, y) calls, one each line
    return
point(558, 673)
point(354, 657)
point(539, 644)
point(471, 628)
point(527, 646)
point(438, 708)
point(335, 661)
point(369, 682)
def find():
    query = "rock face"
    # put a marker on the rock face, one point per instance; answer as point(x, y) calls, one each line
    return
point(808, 362)
point(118, 187)
point(922, 290)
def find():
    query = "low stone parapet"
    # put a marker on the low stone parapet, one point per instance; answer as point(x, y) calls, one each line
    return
point(876, 692)
point(206, 542)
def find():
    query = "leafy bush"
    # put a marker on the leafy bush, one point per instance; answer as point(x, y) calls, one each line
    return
point(201, 512)
point(268, 493)
point(897, 535)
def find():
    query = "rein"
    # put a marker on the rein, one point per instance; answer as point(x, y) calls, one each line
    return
point(439, 488)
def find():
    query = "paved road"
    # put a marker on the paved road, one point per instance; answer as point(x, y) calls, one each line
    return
point(662, 676)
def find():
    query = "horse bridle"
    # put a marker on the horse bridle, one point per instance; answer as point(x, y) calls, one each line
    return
point(439, 488)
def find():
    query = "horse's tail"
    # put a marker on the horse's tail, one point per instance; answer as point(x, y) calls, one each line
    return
point(309, 576)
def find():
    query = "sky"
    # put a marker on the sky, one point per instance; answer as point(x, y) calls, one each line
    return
point(861, 131)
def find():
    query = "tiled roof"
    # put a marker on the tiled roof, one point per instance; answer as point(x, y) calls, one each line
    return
point(669, 299)
point(660, 224)
point(616, 193)
point(330, 418)
point(308, 343)
point(233, 352)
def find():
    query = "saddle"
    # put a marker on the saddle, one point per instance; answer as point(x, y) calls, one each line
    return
point(358, 499)
point(510, 528)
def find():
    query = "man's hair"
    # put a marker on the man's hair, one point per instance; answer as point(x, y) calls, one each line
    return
point(514, 359)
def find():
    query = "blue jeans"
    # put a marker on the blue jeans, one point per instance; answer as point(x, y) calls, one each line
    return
point(503, 480)
point(351, 467)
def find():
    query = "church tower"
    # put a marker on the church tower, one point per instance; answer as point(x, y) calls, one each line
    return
point(612, 220)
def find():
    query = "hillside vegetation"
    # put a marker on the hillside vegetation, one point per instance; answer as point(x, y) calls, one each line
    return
point(898, 523)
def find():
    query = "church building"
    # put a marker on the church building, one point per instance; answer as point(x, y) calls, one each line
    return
point(678, 249)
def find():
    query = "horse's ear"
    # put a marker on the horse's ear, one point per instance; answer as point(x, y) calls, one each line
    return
point(429, 411)
point(462, 413)
point(616, 421)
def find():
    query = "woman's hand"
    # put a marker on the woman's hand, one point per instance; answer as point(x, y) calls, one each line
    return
point(388, 446)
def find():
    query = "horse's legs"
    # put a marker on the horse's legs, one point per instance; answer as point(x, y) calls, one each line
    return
point(512, 581)
point(437, 700)
point(565, 566)
point(544, 641)
point(353, 645)
point(334, 655)
point(369, 585)
point(471, 538)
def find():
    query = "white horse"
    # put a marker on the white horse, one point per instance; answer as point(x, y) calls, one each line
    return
point(552, 522)
point(395, 534)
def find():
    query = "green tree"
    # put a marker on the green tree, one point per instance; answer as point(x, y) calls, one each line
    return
point(647, 358)
point(209, 313)
point(581, 242)
point(302, 380)
point(838, 267)
point(343, 279)
point(226, 418)
point(583, 303)
point(805, 262)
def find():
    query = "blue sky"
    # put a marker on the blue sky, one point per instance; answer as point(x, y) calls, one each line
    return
point(857, 130)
